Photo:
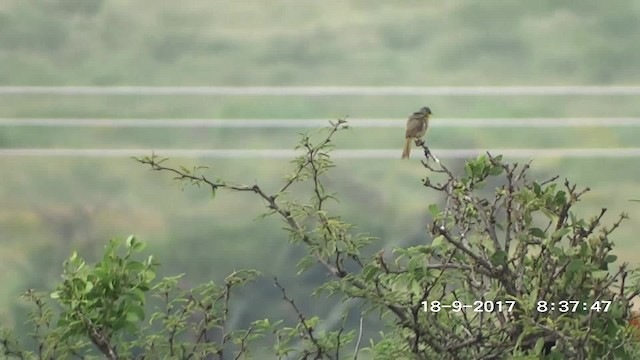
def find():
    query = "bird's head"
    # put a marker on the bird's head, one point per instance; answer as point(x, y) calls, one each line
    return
point(425, 110)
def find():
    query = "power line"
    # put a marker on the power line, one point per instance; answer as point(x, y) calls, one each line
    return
point(323, 90)
point(338, 154)
point(317, 123)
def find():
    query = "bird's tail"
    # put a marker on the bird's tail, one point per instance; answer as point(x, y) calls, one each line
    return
point(407, 149)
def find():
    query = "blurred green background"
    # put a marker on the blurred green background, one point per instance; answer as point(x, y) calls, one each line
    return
point(51, 205)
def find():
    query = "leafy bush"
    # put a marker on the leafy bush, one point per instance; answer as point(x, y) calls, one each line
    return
point(507, 270)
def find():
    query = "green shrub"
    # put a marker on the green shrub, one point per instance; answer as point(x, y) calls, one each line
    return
point(507, 270)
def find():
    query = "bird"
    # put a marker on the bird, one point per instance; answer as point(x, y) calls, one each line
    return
point(417, 125)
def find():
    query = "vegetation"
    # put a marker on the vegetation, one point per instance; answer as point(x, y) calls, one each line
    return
point(537, 278)
point(52, 206)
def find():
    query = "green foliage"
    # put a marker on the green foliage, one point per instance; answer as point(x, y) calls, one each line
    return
point(509, 273)
point(110, 296)
point(104, 306)
point(93, 42)
point(519, 248)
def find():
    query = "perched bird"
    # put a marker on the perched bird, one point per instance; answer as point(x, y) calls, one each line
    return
point(416, 128)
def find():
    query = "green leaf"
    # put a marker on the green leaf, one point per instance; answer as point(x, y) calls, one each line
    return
point(138, 294)
point(495, 170)
point(536, 188)
point(558, 355)
point(481, 164)
point(621, 353)
point(537, 232)
point(560, 198)
point(135, 266)
point(135, 314)
point(433, 209)
point(468, 169)
point(533, 298)
point(499, 258)
point(539, 345)
point(369, 272)
point(305, 263)
point(139, 246)
point(149, 275)
point(600, 274)
point(610, 258)
point(415, 263)
point(131, 240)
point(557, 251)
point(560, 233)
point(88, 287)
point(549, 214)
point(438, 241)
point(575, 265)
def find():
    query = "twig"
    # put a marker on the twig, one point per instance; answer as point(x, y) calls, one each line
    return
point(303, 321)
